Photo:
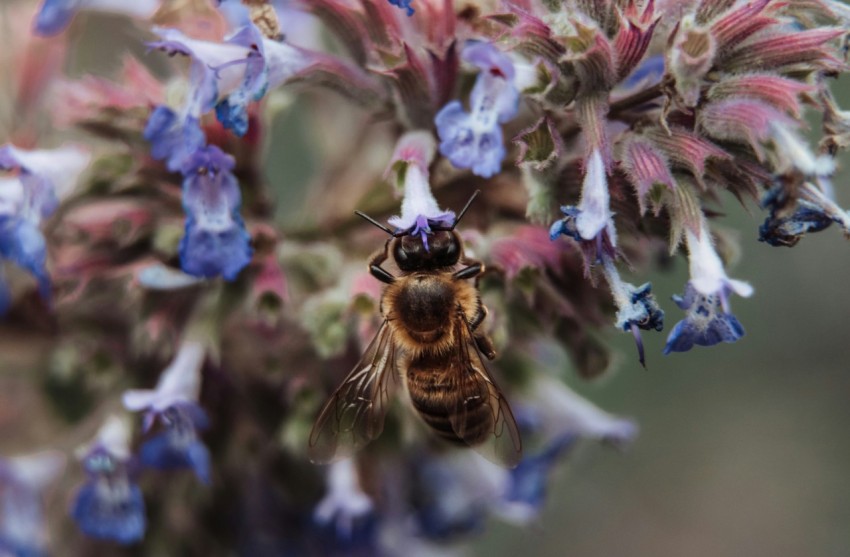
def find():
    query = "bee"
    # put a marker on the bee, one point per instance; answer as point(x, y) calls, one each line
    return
point(430, 339)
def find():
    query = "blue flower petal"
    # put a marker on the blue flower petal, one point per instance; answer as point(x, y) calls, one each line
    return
point(167, 451)
point(22, 242)
point(566, 225)
point(405, 5)
point(173, 139)
point(106, 509)
point(15, 548)
point(705, 323)
point(207, 253)
point(54, 16)
point(651, 70)
point(216, 241)
point(232, 112)
point(360, 539)
point(529, 479)
point(467, 147)
point(787, 231)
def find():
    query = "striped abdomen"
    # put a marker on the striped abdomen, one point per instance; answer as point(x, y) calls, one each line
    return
point(442, 391)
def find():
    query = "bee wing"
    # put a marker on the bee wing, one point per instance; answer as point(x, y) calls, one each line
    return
point(503, 445)
point(355, 413)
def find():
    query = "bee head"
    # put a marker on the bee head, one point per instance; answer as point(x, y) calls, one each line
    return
point(411, 253)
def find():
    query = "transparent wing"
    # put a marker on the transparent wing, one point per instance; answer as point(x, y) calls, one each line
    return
point(501, 442)
point(355, 413)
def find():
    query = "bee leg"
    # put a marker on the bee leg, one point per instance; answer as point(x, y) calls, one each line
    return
point(480, 315)
point(375, 268)
point(485, 345)
point(472, 270)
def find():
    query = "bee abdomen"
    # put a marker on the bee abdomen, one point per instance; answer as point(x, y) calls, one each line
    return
point(438, 400)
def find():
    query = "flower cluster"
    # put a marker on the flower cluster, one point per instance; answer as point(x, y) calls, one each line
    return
point(203, 222)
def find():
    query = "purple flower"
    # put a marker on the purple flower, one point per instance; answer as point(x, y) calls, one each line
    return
point(454, 492)
point(526, 492)
point(173, 138)
point(591, 220)
point(558, 411)
point(706, 299)
point(419, 209)
point(174, 402)
point(787, 230)
point(22, 481)
point(346, 512)
point(43, 177)
point(636, 306)
point(215, 241)
point(109, 505)
point(404, 5)
point(706, 323)
point(225, 76)
point(474, 139)
point(55, 15)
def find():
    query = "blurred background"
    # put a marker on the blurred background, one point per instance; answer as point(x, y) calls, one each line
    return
point(744, 448)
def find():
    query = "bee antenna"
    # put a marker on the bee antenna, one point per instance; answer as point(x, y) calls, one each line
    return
point(465, 207)
point(374, 222)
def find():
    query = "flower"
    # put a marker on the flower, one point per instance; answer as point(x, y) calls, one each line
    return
point(44, 176)
point(636, 306)
point(22, 481)
point(225, 76)
point(345, 509)
point(404, 5)
point(557, 411)
point(474, 139)
point(706, 299)
point(216, 241)
point(593, 214)
point(109, 505)
point(175, 402)
point(813, 211)
point(454, 492)
point(419, 209)
point(174, 138)
point(527, 486)
point(55, 15)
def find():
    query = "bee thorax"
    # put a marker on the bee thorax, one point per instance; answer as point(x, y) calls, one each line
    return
point(424, 304)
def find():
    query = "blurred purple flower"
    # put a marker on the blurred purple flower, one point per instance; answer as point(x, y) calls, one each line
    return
point(474, 139)
point(706, 299)
point(22, 480)
point(43, 177)
point(216, 241)
point(174, 402)
point(109, 505)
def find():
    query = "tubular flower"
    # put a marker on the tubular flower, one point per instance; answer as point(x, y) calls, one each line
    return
point(706, 299)
point(590, 222)
point(225, 76)
point(419, 209)
point(23, 480)
point(43, 177)
point(345, 509)
point(175, 403)
point(474, 139)
point(215, 240)
point(636, 306)
point(109, 505)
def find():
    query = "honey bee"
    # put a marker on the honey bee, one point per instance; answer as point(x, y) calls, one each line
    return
point(430, 338)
